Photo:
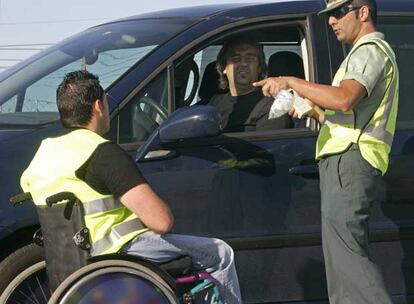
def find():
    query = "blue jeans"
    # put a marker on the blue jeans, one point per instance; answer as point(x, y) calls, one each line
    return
point(209, 254)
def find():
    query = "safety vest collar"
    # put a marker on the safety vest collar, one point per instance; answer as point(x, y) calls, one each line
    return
point(368, 38)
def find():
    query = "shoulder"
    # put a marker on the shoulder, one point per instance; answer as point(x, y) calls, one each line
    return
point(217, 99)
point(369, 52)
point(224, 103)
point(108, 155)
point(109, 150)
point(263, 102)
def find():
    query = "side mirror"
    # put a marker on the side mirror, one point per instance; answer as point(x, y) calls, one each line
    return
point(186, 123)
point(191, 122)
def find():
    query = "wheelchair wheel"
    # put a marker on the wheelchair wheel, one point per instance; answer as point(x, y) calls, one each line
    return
point(114, 281)
point(30, 286)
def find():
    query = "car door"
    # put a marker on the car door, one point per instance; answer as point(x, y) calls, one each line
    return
point(393, 221)
point(257, 190)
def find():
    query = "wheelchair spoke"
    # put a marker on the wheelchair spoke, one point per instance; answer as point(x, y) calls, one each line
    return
point(32, 289)
point(40, 285)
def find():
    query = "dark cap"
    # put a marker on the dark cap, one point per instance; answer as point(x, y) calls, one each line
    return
point(333, 4)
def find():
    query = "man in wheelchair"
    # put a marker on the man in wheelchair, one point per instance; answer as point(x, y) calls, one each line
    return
point(121, 210)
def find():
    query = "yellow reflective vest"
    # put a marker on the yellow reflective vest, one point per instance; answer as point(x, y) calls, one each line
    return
point(52, 170)
point(375, 138)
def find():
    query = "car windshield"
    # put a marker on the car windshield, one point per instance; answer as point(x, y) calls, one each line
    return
point(28, 91)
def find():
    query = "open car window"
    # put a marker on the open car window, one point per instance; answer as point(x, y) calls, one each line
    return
point(285, 52)
point(195, 79)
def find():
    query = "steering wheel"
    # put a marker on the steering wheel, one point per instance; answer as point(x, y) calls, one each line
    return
point(144, 121)
point(154, 107)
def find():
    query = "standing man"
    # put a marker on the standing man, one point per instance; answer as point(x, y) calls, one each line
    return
point(122, 211)
point(353, 146)
point(241, 62)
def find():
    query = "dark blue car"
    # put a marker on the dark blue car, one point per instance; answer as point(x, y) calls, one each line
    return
point(257, 190)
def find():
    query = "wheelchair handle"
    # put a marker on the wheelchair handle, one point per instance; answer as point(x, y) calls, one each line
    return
point(20, 198)
point(61, 196)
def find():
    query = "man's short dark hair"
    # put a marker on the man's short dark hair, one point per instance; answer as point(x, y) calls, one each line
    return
point(227, 50)
point(372, 5)
point(75, 97)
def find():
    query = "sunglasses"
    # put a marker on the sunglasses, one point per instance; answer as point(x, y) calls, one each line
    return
point(342, 11)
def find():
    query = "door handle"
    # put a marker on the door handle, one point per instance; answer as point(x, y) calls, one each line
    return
point(305, 171)
point(160, 154)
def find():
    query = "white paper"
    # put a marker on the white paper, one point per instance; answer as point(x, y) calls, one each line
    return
point(301, 106)
point(281, 105)
point(285, 100)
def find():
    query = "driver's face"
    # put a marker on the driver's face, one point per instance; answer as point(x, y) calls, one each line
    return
point(242, 68)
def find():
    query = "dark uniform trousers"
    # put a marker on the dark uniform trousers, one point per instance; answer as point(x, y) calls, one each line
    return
point(349, 187)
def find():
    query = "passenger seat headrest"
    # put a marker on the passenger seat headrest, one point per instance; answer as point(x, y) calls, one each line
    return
point(285, 63)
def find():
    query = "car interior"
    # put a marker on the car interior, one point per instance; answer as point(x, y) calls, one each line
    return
point(196, 78)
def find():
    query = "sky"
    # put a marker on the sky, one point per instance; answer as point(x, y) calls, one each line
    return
point(27, 26)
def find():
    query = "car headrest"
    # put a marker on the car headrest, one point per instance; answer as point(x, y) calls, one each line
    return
point(209, 85)
point(285, 63)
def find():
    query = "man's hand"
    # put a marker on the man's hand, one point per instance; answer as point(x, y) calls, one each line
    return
point(272, 85)
point(293, 113)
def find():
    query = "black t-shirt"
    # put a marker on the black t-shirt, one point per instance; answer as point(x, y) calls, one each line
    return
point(248, 112)
point(243, 106)
point(110, 170)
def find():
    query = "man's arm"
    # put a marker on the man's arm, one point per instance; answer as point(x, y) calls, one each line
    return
point(342, 98)
point(149, 208)
point(365, 67)
point(112, 171)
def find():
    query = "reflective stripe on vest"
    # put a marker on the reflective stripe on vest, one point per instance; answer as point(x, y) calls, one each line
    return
point(101, 205)
point(339, 131)
point(118, 232)
point(340, 118)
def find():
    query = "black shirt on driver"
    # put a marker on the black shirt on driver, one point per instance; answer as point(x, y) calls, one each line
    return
point(248, 112)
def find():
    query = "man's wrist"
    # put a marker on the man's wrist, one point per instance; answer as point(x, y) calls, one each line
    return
point(289, 80)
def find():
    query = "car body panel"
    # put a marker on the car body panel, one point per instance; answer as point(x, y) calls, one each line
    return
point(259, 191)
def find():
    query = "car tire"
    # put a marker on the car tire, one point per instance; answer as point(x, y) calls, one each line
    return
point(17, 262)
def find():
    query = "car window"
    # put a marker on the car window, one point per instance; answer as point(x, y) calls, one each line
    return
point(144, 113)
point(41, 96)
point(192, 84)
point(395, 30)
point(208, 56)
point(283, 51)
point(28, 96)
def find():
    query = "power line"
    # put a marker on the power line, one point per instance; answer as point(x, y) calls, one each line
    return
point(24, 44)
point(57, 21)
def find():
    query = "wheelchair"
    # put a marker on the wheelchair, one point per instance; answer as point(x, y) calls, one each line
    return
point(70, 275)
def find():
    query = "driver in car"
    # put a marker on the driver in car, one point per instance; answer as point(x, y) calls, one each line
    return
point(124, 213)
point(241, 62)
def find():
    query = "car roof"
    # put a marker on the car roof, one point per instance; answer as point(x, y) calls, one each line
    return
point(241, 10)
point(207, 11)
